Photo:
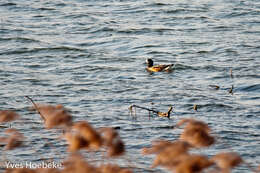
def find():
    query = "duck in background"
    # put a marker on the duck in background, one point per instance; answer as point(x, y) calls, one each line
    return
point(158, 68)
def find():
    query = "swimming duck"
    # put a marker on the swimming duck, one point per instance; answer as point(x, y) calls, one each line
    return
point(157, 68)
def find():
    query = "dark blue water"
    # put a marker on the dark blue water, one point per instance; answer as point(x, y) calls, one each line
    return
point(90, 57)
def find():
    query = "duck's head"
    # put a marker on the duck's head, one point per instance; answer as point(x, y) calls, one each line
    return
point(149, 62)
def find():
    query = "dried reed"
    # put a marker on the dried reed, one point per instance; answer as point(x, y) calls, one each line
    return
point(226, 161)
point(173, 155)
point(13, 140)
point(158, 113)
point(196, 133)
point(7, 116)
point(54, 116)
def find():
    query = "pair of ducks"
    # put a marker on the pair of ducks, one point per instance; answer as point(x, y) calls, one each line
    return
point(158, 68)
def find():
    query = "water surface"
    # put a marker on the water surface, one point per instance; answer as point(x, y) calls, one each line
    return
point(90, 57)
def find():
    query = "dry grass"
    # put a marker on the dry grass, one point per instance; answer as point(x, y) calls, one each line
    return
point(7, 116)
point(176, 156)
point(13, 139)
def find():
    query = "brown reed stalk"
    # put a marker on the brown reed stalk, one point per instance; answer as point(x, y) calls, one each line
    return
point(148, 109)
point(231, 89)
point(195, 107)
point(231, 73)
point(8, 116)
point(160, 114)
point(36, 107)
